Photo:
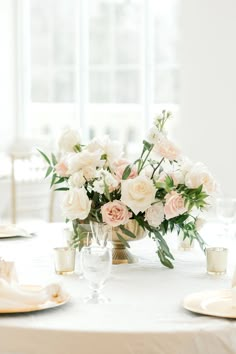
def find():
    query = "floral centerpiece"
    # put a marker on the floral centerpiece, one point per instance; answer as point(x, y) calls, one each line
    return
point(161, 190)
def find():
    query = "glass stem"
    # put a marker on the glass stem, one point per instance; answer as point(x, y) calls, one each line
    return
point(96, 293)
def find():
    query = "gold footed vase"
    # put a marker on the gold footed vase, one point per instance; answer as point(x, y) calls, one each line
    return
point(120, 253)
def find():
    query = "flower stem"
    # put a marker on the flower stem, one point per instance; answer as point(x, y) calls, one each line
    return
point(143, 162)
point(154, 170)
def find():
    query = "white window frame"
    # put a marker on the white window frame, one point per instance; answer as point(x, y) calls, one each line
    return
point(82, 69)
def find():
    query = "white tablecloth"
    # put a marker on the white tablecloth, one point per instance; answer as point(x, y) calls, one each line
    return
point(145, 315)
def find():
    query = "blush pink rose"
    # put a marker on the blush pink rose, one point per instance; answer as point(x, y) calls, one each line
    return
point(174, 205)
point(119, 167)
point(165, 148)
point(115, 213)
point(177, 177)
point(61, 168)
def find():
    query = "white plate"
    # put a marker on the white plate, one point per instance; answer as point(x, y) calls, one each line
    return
point(212, 303)
point(13, 231)
point(29, 308)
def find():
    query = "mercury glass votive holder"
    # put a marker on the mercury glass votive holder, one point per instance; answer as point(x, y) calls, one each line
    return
point(216, 258)
point(64, 260)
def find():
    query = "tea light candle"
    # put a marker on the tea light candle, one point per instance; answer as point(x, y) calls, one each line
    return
point(216, 260)
point(64, 260)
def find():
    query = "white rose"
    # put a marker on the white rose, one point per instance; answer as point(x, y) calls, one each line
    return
point(185, 165)
point(138, 193)
point(112, 149)
point(110, 180)
point(68, 140)
point(84, 160)
point(98, 186)
point(105, 178)
point(198, 175)
point(77, 179)
point(76, 204)
point(154, 215)
point(89, 172)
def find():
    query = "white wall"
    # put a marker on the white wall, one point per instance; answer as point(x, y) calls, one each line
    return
point(7, 71)
point(207, 129)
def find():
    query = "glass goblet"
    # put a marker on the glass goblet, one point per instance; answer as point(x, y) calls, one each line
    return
point(102, 233)
point(96, 264)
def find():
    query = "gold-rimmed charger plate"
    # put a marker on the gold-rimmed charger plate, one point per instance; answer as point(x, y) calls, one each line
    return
point(216, 303)
point(31, 308)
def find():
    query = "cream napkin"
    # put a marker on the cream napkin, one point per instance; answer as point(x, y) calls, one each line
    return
point(8, 271)
point(12, 230)
point(13, 294)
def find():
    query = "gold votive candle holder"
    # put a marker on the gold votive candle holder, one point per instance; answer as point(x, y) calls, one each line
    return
point(64, 260)
point(216, 258)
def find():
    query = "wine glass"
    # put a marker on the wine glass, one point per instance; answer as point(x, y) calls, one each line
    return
point(96, 264)
point(226, 212)
point(102, 233)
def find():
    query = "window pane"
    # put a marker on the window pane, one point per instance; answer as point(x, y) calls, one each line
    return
point(127, 87)
point(39, 18)
point(64, 49)
point(128, 47)
point(39, 86)
point(53, 50)
point(120, 44)
point(100, 49)
point(100, 32)
point(63, 13)
point(166, 85)
point(100, 86)
point(115, 47)
point(63, 86)
point(40, 52)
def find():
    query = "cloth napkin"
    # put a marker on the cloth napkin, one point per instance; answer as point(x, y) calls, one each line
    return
point(12, 230)
point(13, 294)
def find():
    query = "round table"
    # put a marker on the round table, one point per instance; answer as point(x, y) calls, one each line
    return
point(145, 314)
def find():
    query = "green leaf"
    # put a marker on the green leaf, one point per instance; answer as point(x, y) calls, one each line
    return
point(121, 238)
point(127, 232)
point(165, 248)
point(126, 172)
point(180, 219)
point(60, 180)
point(147, 145)
point(62, 189)
point(165, 225)
point(106, 191)
point(77, 148)
point(54, 160)
point(169, 182)
point(165, 261)
point(49, 170)
point(44, 156)
point(54, 177)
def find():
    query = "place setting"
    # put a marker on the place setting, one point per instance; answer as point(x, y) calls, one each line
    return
point(18, 298)
point(13, 230)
